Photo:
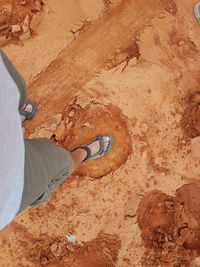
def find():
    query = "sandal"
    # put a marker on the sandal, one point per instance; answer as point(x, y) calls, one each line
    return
point(101, 151)
point(197, 11)
point(26, 114)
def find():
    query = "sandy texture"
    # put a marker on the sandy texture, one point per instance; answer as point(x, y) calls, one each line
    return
point(130, 69)
point(171, 226)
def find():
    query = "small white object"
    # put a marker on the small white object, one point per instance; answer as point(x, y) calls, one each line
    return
point(71, 238)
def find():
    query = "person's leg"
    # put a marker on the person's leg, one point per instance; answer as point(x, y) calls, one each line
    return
point(48, 165)
point(20, 83)
point(17, 78)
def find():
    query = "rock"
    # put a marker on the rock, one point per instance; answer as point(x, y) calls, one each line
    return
point(26, 20)
point(25, 28)
point(34, 23)
point(23, 2)
point(72, 113)
point(77, 27)
point(15, 28)
point(25, 36)
point(132, 62)
point(162, 15)
point(178, 74)
point(26, 23)
point(87, 124)
point(44, 260)
point(54, 247)
point(144, 127)
point(181, 43)
point(37, 6)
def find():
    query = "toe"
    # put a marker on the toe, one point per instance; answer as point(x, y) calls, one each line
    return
point(29, 108)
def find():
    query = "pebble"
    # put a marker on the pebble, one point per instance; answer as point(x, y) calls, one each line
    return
point(178, 74)
point(144, 127)
point(15, 28)
point(23, 2)
point(25, 36)
point(53, 248)
point(72, 113)
point(25, 26)
point(77, 27)
point(133, 62)
point(37, 7)
point(87, 124)
point(162, 15)
point(44, 260)
point(181, 43)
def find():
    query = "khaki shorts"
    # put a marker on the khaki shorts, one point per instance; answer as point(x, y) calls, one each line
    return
point(46, 165)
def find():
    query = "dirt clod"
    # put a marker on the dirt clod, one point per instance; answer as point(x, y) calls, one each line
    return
point(191, 117)
point(177, 219)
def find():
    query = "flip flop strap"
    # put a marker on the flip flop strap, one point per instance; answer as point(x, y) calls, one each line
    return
point(26, 114)
point(101, 147)
point(87, 150)
point(88, 153)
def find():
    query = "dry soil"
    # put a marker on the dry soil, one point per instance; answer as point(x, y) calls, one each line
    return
point(130, 68)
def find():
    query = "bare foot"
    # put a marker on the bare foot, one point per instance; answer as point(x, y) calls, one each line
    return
point(28, 108)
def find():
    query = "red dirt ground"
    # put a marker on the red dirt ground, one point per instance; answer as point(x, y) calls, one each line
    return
point(125, 67)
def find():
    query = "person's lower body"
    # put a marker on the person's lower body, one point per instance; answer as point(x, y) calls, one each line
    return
point(47, 165)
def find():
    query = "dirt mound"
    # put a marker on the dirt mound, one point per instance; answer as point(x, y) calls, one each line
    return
point(191, 118)
point(171, 226)
point(18, 20)
point(189, 197)
point(58, 251)
point(156, 218)
point(80, 125)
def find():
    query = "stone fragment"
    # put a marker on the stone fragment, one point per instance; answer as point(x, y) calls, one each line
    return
point(44, 260)
point(87, 124)
point(25, 26)
point(15, 28)
point(144, 127)
point(72, 113)
point(77, 27)
point(181, 43)
point(54, 247)
point(178, 74)
point(25, 36)
point(132, 62)
point(37, 6)
point(23, 2)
